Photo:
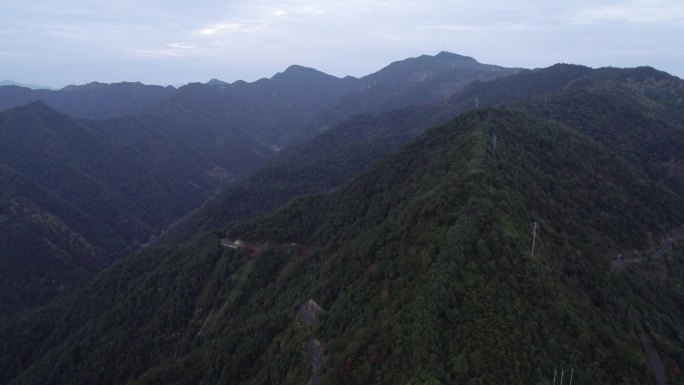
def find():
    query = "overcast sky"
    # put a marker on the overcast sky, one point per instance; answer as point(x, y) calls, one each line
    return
point(59, 42)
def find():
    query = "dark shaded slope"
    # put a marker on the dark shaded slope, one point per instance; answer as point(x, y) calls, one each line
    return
point(48, 246)
point(100, 169)
point(288, 100)
point(264, 110)
point(524, 85)
point(56, 151)
point(81, 193)
point(423, 266)
point(92, 100)
point(638, 113)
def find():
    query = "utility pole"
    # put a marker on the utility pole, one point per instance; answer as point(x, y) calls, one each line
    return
point(534, 236)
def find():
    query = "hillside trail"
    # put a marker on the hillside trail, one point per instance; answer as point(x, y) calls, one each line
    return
point(308, 311)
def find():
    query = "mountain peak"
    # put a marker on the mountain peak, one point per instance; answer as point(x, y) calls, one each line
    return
point(38, 106)
point(442, 62)
point(298, 72)
point(216, 83)
point(454, 56)
point(37, 111)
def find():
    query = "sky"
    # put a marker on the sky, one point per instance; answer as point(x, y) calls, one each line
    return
point(60, 42)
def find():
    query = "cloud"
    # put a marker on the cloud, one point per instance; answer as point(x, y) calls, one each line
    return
point(633, 12)
point(238, 26)
point(471, 27)
point(253, 38)
point(169, 50)
point(180, 46)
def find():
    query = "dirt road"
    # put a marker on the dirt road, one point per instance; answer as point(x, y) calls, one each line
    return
point(654, 359)
point(656, 252)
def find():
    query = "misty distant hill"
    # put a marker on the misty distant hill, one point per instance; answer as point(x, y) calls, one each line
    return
point(421, 80)
point(92, 100)
point(31, 86)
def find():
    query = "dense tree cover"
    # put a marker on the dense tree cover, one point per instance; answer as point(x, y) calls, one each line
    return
point(422, 265)
point(48, 245)
point(442, 287)
point(639, 113)
point(343, 151)
point(85, 196)
point(560, 92)
point(523, 85)
point(321, 164)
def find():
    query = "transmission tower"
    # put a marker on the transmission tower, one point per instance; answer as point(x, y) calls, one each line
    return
point(534, 236)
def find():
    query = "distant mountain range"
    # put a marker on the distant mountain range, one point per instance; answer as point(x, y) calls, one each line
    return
point(92, 100)
point(414, 81)
point(31, 86)
point(441, 221)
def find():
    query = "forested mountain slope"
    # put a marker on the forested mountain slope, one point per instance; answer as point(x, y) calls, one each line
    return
point(638, 113)
point(422, 265)
point(48, 246)
point(321, 164)
point(87, 194)
point(118, 181)
point(351, 141)
point(561, 92)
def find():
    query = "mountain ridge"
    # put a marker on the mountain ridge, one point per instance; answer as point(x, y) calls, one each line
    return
point(420, 80)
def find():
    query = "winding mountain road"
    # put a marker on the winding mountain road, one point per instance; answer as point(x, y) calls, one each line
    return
point(314, 351)
point(656, 252)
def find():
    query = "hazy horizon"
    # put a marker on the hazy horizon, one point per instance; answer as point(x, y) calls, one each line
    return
point(174, 43)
